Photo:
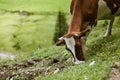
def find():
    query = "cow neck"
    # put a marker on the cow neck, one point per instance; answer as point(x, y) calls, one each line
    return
point(76, 19)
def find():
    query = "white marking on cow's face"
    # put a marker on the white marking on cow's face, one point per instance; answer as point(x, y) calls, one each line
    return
point(103, 10)
point(70, 43)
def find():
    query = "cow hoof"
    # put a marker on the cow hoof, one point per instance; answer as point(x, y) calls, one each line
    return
point(79, 62)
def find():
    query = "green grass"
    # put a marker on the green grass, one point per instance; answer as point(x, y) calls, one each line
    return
point(34, 35)
point(104, 51)
point(31, 32)
point(35, 5)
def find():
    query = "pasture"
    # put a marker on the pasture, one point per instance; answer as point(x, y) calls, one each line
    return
point(26, 30)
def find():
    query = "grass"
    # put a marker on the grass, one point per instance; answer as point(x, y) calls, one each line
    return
point(33, 31)
point(104, 51)
point(35, 5)
point(32, 37)
point(28, 32)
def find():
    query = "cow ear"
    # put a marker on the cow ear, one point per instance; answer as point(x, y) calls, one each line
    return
point(60, 42)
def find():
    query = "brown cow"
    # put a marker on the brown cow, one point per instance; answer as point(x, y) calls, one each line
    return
point(85, 14)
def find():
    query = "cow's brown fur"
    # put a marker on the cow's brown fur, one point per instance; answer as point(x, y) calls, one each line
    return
point(86, 11)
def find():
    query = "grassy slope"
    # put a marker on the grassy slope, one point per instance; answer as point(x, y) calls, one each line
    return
point(30, 32)
point(103, 51)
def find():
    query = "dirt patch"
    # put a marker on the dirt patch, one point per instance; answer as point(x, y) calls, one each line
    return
point(115, 72)
point(28, 70)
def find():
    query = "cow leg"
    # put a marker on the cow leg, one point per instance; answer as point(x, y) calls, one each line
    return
point(109, 28)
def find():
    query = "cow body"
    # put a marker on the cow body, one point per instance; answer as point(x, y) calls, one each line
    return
point(107, 12)
point(85, 14)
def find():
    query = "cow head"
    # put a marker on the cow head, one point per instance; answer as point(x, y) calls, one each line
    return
point(75, 43)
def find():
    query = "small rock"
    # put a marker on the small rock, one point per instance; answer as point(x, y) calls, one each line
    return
point(56, 71)
point(92, 63)
point(117, 64)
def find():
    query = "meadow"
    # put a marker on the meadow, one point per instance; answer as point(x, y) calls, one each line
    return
point(27, 28)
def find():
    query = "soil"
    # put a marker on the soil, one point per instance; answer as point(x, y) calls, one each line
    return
point(115, 72)
point(28, 70)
